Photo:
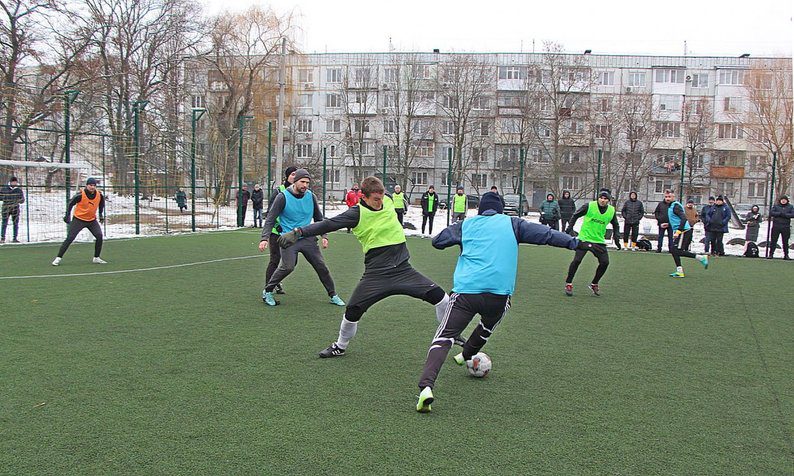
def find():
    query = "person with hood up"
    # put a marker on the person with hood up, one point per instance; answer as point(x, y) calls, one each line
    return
point(550, 212)
point(567, 209)
point(632, 213)
point(11, 196)
point(483, 282)
point(258, 201)
point(719, 215)
point(754, 219)
point(782, 212)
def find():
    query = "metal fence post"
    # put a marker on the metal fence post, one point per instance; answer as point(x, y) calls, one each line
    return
point(683, 167)
point(449, 183)
point(325, 160)
point(137, 107)
point(769, 210)
point(69, 97)
point(521, 182)
point(196, 115)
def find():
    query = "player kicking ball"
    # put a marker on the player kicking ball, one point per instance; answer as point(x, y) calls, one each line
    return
point(597, 214)
point(682, 236)
point(483, 282)
point(387, 271)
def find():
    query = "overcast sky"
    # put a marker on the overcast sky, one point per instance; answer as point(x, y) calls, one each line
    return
point(709, 27)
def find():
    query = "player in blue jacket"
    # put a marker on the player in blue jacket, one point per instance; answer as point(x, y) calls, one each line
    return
point(483, 282)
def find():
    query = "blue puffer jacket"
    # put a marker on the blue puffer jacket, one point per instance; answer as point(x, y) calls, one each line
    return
point(721, 211)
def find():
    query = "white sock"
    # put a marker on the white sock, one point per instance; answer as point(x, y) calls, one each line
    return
point(441, 308)
point(347, 330)
point(680, 269)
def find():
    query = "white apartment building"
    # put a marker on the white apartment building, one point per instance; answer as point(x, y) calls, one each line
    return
point(645, 114)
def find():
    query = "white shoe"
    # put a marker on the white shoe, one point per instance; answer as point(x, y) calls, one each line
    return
point(98, 260)
point(56, 261)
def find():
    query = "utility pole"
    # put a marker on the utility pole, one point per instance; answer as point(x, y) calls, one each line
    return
point(282, 87)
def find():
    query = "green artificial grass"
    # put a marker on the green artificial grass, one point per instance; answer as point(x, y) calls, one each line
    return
point(184, 370)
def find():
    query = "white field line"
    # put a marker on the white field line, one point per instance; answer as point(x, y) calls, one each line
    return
point(136, 270)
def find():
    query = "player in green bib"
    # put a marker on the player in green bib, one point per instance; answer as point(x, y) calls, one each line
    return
point(387, 271)
point(399, 203)
point(597, 215)
point(458, 205)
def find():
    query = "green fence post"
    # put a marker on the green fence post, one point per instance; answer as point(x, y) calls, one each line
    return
point(683, 167)
point(27, 189)
point(197, 113)
point(137, 107)
point(240, 217)
point(104, 188)
point(269, 157)
point(69, 97)
point(325, 160)
point(165, 194)
point(771, 202)
point(521, 183)
point(449, 183)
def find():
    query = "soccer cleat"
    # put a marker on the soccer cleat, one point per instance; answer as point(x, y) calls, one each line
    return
point(569, 289)
point(459, 359)
point(336, 300)
point(14, 241)
point(459, 340)
point(98, 260)
point(279, 289)
point(268, 298)
point(594, 289)
point(425, 399)
point(332, 351)
point(677, 274)
point(704, 260)
point(56, 261)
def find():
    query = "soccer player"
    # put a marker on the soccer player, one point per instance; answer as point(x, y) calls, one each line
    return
point(682, 235)
point(483, 282)
point(387, 271)
point(399, 202)
point(459, 205)
point(597, 214)
point(86, 204)
point(275, 250)
point(296, 207)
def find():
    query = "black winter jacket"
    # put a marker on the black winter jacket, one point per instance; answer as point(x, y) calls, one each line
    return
point(567, 208)
point(782, 215)
point(632, 211)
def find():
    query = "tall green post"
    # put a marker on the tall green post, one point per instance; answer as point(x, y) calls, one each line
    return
point(325, 161)
point(771, 202)
point(27, 189)
point(241, 125)
point(165, 173)
point(104, 187)
point(137, 107)
point(683, 167)
point(197, 113)
point(384, 165)
point(69, 98)
point(521, 182)
point(598, 174)
point(269, 156)
point(449, 184)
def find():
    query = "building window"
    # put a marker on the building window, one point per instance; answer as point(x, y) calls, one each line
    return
point(333, 101)
point(479, 180)
point(361, 75)
point(510, 126)
point(305, 100)
point(334, 176)
point(389, 101)
point(333, 125)
point(479, 154)
point(637, 79)
point(480, 103)
point(669, 76)
point(390, 126)
point(421, 127)
point(571, 157)
point(730, 104)
point(605, 78)
point(726, 189)
point(483, 129)
point(449, 102)
point(700, 80)
point(696, 163)
point(333, 75)
point(662, 185)
point(731, 77)
point(730, 131)
point(419, 178)
point(420, 71)
point(360, 148)
point(756, 189)
point(670, 102)
point(197, 101)
point(361, 125)
point(304, 125)
point(757, 162)
point(425, 150)
point(304, 151)
point(305, 75)
point(448, 128)
point(668, 129)
point(512, 72)
point(391, 75)
point(333, 151)
point(602, 131)
point(603, 104)
point(361, 97)
point(570, 183)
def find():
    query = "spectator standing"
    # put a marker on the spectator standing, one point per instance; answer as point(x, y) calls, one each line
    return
point(632, 214)
point(782, 212)
point(550, 212)
point(12, 196)
point(719, 216)
point(245, 197)
point(704, 217)
point(692, 217)
point(429, 203)
point(352, 198)
point(754, 219)
point(181, 200)
point(567, 209)
point(258, 201)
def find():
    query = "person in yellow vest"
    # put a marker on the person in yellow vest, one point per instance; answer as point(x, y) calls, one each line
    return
point(399, 203)
point(387, 271)
point(459, 205)
point(597, 215)
point(86, 204)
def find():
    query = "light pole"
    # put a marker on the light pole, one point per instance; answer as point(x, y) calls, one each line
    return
point(137, 107)
point(240, 126)
point(197, 113)
point(69, 98)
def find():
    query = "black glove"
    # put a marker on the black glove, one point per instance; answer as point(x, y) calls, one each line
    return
point(66, 219)
point(102, 219)
point(288, 239)
point(569, 230)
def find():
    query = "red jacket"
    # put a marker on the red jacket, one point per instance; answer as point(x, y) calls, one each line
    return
point(352, 198)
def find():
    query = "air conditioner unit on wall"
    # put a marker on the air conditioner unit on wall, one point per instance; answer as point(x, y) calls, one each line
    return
point(308, 85)
point(628, 89)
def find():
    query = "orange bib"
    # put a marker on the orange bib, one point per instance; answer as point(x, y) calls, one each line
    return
point(86, 208)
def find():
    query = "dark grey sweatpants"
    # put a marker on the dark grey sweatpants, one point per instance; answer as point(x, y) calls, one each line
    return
point(75, 227)
point(310, 250)
point(462, 308)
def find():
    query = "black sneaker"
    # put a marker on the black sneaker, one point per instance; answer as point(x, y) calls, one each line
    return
point(459, 340)
point(332, 351)
point(279, 289)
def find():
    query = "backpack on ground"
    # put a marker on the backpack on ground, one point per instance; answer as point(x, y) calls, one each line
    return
point(644, 245)
point(751, 251)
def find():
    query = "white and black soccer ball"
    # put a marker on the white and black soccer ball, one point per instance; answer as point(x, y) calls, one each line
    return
point(479, 365)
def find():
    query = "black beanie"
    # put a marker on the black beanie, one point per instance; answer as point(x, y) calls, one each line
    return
point(289, 171)
point(491, 201)
point(605, 192)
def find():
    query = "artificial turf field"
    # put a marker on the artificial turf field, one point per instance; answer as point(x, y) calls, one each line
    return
point(184, 370)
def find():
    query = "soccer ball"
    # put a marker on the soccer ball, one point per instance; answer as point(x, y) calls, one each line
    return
point(479, 365)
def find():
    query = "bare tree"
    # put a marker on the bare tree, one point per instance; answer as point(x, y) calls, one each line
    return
point(638, 138)
point(698, 135)
point(769, 118)
point(359, 96)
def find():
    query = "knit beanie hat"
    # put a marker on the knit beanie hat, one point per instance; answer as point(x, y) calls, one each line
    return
point(491, 201)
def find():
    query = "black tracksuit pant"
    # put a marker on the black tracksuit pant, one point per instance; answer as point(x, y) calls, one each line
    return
point(599, 250)
point(462, 308)
point(680, 245)
point(631, 230)
point(779, 232)
point(429, 217)
point(75, 227)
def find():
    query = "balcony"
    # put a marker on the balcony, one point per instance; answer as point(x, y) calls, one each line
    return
point(727, 172)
